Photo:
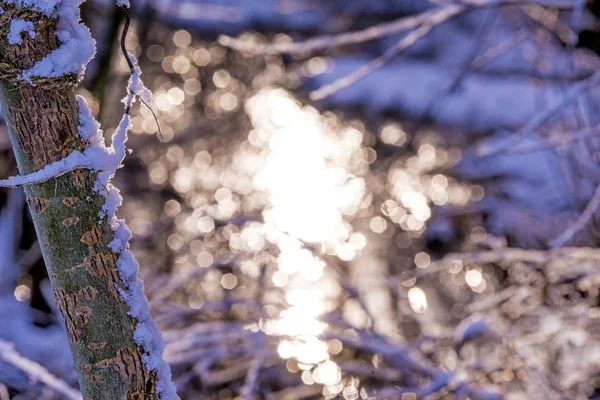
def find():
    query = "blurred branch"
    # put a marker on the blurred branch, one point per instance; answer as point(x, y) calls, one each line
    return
point(36, 372)
point(420, 25)
point(98, 82)
point(252, 376)
point(479, 40)
point(580, 223)
point(399, 25)
point(550, 20)
point(494, 52)
point(390, 54)
point(577, 90)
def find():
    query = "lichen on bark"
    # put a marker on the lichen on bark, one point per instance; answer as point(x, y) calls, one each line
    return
point(42, 125)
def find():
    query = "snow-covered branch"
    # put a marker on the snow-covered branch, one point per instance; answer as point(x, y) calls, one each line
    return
point(36, 372)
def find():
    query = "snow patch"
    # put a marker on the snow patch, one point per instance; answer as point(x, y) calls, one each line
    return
point(46, 7)
point(146, 333)
point(17, 27)
point(77, 47)
point(76, 50)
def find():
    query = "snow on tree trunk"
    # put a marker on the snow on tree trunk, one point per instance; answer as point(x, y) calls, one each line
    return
point(115, 344)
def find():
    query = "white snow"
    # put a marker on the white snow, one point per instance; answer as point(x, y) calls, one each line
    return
point(47, 7)
point(17, 27)
point(91, 158)
point(77, 47)
point(146, 333)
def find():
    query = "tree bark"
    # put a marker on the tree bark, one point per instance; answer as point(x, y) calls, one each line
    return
point(42, 124)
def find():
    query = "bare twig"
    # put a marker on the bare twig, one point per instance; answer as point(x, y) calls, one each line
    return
point(539, 119)
point(131, 66)
point(465, 69)
point(386, 57)
point(36, 372)
point(399, 25)
point(494, 52)
point(580, 223)
point(550, 20)
point(554, 141)
point(252, 377)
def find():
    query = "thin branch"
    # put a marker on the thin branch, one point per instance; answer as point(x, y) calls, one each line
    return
point(550, 21)
point(131, 65)
point(494, 52)
point(399, 25)
point(479, 40)
point(554, 141)
point(36, 372)
point(542, 117)
point(580, 223)
point(252, 376)
point(386, 57)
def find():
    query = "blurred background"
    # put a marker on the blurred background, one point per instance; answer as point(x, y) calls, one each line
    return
point(384, 199)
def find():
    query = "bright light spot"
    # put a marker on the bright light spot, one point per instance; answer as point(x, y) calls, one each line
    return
point(473, 277)
point(175, 241)
point(182, 38)
point(202, 57)
point(192, 86)
point(286, 349)
point(393, 134)
point(311, 350)
point(335, 346)
point(175, 96)
point(307, 378)
point(346, 252)
point(417, 300)
point(378, 224)
point(306, 191)
point(181, 64)
point(221, 78)
point(172, 208)
point(280, 279)
point(327, 373)
point(358, 241)
point(158, 175)
point(229, 281)
point(440, 181)
point(427, 152)
point(195, 302)
point(206, 224)
point(303, 165)
point(22, 293)
point(422, 260)
point(204, 259)
point(316, 66)
point(223, 195)
point(228, 102)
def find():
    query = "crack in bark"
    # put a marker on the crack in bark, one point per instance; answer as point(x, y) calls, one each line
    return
point(75, 310)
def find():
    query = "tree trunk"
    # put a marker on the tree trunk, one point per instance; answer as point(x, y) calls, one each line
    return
point(42, 123)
